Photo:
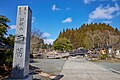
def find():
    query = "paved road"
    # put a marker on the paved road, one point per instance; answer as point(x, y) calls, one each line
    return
point(110, 65)
point(80, 69)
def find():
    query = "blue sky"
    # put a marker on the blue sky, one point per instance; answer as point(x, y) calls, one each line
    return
point(51, 16)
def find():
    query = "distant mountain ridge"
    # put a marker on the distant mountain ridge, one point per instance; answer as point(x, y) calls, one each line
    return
point(91, 35)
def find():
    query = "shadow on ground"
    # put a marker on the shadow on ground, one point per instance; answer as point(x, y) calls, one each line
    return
point(58, 77)
point(37, 71)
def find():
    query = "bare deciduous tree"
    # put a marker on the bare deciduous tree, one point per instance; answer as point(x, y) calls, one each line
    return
point(102, 38)
point(36, 40)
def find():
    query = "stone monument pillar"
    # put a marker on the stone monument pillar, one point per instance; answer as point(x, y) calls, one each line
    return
point(22, 44)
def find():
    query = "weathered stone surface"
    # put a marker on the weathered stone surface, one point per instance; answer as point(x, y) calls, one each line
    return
point(22, 43)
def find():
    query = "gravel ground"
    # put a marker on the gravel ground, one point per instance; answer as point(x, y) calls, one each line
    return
point(110, 65)
point(51, 66)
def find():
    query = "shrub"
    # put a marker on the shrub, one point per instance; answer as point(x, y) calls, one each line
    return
point(103, 56)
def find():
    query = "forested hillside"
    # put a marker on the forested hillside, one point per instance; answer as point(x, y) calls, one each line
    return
point(91, 36)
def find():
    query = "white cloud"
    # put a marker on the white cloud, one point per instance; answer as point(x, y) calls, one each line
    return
point(107, 22)
point(117, 14)
point(48, 41)
point(89, 21)
point(12, 27)
point(67, 9)
point(107, 12)
point(33, 19)
point(46, 34)
point(88, 1)
point(54, 8)
point(67, 20)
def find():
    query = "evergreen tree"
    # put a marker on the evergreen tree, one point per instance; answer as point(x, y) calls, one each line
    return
point(3, 27)
point(62, 44)
point(91, 35)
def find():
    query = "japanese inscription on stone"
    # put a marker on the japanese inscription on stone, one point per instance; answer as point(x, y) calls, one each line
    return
point(22, 43)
